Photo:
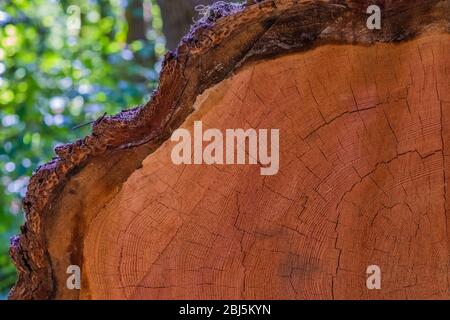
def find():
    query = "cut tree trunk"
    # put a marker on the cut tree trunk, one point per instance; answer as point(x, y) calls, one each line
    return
point(364, 128)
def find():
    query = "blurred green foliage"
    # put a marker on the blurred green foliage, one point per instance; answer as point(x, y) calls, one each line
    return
point(63, 63)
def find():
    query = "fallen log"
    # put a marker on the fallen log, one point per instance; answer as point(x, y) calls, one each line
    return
point(362, 179)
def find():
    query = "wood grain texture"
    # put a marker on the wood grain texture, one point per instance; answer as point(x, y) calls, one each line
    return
point(363, 135)
point(362, 181)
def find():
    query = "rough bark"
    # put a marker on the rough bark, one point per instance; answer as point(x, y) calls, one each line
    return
point(363, 118)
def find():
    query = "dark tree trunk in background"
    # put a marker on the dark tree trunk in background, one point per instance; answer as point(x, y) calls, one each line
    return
point(177, 18)
point(138, 25)
point(136, 22)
